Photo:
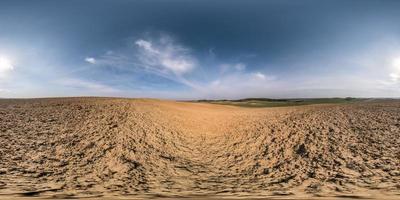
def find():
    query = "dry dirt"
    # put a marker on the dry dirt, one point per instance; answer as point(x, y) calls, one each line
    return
point(142, 148)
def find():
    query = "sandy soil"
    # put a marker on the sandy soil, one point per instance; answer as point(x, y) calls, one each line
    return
point(141, 148)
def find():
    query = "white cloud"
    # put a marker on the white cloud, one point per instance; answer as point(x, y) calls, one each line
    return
point(90, 60)
point(178, 66)
point(168, 59)
point(260, 75)
point(5, 66)
point(160, 56)
point(165, 58)
point(146, 45)
point(165, 55)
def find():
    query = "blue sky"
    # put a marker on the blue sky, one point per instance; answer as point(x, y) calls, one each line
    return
point(181, 49)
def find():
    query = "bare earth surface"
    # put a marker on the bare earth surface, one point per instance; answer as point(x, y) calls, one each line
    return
point(137, 148)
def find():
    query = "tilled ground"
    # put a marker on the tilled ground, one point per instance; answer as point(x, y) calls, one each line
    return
point(137, 148)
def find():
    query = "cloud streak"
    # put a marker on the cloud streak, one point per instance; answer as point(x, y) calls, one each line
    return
point(165, 56)
point(90, 60)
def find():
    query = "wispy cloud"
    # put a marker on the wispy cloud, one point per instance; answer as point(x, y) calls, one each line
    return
point(260, 75)
point(165, 55)
point(161, 56)
point(90, 60)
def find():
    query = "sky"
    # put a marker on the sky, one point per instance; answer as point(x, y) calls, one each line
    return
point(188, 49)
